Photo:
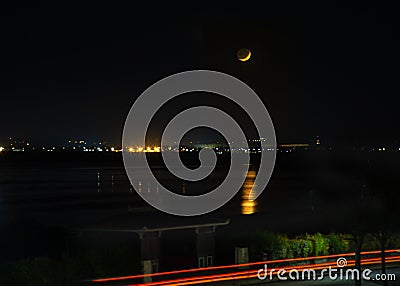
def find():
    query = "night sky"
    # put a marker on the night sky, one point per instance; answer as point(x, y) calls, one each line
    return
point(73, 71)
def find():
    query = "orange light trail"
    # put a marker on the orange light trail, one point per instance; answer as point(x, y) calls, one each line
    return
point(238, 265)
point(253, 273)
point(237, 277)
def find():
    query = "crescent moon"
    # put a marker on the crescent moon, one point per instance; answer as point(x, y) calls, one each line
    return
point(247, 57)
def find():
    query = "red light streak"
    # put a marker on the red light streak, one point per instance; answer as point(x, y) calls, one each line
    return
point(236, 266)
point(253, 273)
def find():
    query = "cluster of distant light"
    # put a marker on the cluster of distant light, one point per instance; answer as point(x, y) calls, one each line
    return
point(72, 145)
point(251, 146)
point(154, 149)
point(218, 150)
point(63, 148)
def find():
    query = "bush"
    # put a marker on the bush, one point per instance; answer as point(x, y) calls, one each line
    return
point(320, 244)
point(301, 247)
point(338, 243)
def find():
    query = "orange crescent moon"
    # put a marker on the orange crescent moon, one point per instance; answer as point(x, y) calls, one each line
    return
point(240, 56)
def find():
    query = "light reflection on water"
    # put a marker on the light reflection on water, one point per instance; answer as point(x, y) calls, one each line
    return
point(42, 190)
point(248, 205)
